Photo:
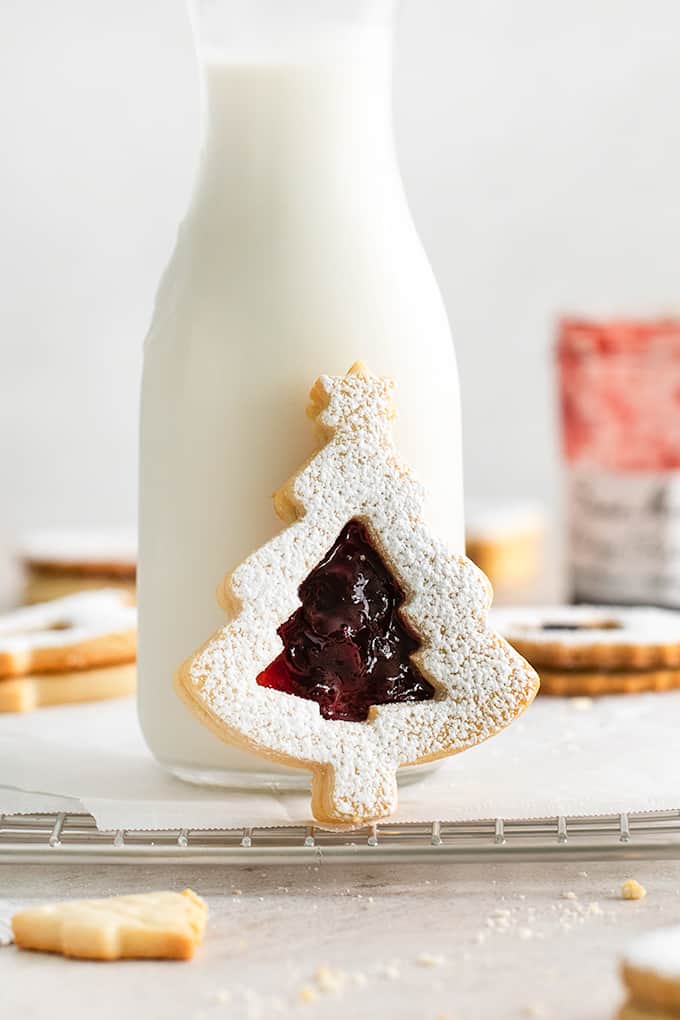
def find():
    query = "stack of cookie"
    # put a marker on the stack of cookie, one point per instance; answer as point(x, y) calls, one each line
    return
point(79, 648)
point(506, 543)
point(651, 974)
point(589, 650)
point(59, 563)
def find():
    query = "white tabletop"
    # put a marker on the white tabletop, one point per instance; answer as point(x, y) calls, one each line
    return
point(465, 942)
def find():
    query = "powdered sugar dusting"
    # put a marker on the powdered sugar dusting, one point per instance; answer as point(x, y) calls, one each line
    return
point(599, 625)
point(481, 683)
point(80, 546)
point(67, 621)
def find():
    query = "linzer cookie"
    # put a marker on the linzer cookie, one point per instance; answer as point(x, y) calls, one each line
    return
point(63, 562)
point(651, 974)
point(79, 648)
point(167, 925)
point(356, 641)
point(596, 649)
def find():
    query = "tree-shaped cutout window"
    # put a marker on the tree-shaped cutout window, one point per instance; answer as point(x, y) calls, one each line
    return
point(347, 647)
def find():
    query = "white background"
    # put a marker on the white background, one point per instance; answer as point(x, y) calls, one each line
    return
point(540, 145)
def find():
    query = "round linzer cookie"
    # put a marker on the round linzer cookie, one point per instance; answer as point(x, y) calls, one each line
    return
point(592, 638)
point(651, 973)
point(79, 648)
point(62, 562)
point(599, 682)
point(356, 642)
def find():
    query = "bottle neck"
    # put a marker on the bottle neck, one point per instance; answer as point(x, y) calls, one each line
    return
point(285, 137)
point(275, 31)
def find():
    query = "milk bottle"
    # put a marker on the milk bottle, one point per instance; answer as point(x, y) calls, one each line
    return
point(297, 257)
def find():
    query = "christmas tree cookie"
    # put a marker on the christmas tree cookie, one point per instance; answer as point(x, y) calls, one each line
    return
point(356, 642)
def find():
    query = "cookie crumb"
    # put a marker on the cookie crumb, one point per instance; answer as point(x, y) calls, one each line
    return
point(632, 890)
point(581, 704)
point(569, 895)
point(329, 980)
point(430, 960)
point(237, 892)
point(532, 1011)
point(595, 908)
point(307, 994)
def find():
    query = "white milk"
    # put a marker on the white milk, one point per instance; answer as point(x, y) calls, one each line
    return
point(298, 257)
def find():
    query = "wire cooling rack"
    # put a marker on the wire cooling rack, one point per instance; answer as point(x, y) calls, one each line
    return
point(74, 838)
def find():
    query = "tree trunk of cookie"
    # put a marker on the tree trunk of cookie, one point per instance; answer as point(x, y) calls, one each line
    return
point(345, 798)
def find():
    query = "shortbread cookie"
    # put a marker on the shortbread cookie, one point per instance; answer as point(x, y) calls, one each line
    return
point(79, 632)
point(44, 586)
point(505, 542)
point(156, 924)
point(59, 563)
point(570, 682)
point(24, 693)
point(357, 642)
point(651, 971)
point(592, 637)
point(631, 1011)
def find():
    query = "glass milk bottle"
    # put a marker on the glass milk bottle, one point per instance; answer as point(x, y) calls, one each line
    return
point(297, 257)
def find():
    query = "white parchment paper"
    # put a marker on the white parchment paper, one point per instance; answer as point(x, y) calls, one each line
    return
point(561, 757)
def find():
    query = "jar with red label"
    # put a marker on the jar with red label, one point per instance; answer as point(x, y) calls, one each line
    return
point(620, 402)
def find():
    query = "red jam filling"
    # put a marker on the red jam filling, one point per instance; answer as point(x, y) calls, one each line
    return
point(346, 647)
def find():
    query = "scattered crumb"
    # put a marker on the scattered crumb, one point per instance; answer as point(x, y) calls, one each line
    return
point(582, 874)
point(237, 892)
point(307, 994)
point(569, 895)
point(534, 1010)
point(222, 996)
point(581, 704)
point(632, 890)
point(429, 960)
point(369, 899)
point(595, 908)
point(329, 980)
